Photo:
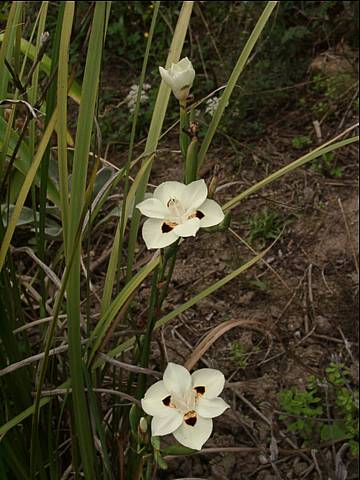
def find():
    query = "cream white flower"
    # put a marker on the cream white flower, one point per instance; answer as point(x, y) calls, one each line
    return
point(177, 210)
point(184, 404)
point(179, 77)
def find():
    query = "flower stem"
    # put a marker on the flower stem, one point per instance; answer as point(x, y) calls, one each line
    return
point(168, 278)
point(159, 288)
point(184, 126)
point(191, 161)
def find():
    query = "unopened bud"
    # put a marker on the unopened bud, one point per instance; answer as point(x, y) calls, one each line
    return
point(45, 37)
point(143, 425)
point(44, 40)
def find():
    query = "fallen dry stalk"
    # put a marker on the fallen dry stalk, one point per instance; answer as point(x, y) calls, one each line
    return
point(215, 334)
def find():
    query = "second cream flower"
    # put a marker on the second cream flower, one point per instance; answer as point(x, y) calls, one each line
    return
point(177, 210)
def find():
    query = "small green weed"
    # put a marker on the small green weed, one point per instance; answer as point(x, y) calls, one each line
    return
point(239, 354)
point(330, 89)
point(301, 142)
point(306, 410)
point(265, 226)
point(326, 165)
point(258, 284)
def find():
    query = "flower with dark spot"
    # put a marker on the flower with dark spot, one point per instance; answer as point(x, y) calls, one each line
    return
point(177, 210)
point(184, 404)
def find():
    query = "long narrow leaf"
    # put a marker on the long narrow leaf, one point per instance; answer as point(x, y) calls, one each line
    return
point(287, 169)
point(113, 261)
point(157, 120)
point(121, 299)
point(224, 99)
point(204, 293)
point(62, 94)
point(45, 65)
point(23, 161)
point(26, 188)
point(77, 201)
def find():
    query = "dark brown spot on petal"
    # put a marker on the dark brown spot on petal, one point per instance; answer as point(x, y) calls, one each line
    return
point(190, 418)
point(167, 401)
point(199, 214)
point(200, 390)
point(165, 228)
point(191, 421)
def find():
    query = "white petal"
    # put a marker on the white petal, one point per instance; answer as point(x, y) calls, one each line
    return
point(166, 76)
point(188, 228)
point(181, 65)
point(213, 381)
point(183, 79)
point(211, 407)
point(194, 195)
point(169, 190)
point(152, 402)
point(177, 380)
point(153, 235)
point(157, 391)
point(194, 437)
point(213, 214)
point(165, 425)
point(153, 208)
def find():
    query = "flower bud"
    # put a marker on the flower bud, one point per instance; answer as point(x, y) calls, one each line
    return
point(143, 425)
point(179, 77)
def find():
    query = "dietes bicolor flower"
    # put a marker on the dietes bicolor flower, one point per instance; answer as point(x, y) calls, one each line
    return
point(184, 404)
point(177, 210)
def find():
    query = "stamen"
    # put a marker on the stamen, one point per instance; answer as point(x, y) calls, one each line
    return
point(190, 418)
point(199, 391)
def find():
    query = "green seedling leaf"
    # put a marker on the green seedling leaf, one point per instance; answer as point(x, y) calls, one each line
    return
point(336, 431)
point(26, 216)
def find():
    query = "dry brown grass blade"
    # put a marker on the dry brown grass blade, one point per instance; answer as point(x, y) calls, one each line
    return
point(215, 334)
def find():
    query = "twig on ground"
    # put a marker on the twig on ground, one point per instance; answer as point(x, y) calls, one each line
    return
point(128, 367)
point(34, 358)
point(108, 391)
point(37, 322)
point(349, 236)
point(313, 454)
point(248, 246)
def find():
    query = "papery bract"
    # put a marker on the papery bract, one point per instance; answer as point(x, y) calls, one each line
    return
point(177, 210)
point(184, 404)
point(179, 77)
